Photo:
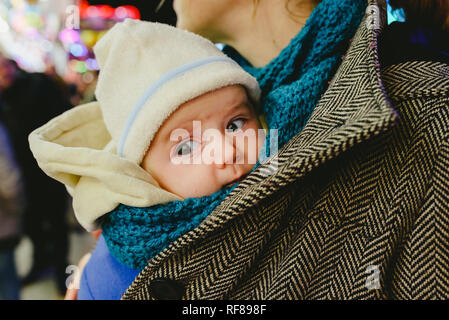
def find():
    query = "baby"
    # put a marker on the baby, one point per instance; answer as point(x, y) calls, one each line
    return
point(184, 167)
point(175, 119)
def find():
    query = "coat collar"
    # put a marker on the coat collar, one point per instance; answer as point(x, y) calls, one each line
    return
point(354, 109)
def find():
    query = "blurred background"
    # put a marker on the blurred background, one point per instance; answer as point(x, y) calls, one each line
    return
point(47, 66)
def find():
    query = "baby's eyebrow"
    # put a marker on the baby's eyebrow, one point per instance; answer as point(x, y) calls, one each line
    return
point(186, 125)
point(242, 105)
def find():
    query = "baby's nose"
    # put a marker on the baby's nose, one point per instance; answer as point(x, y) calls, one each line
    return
point(227, 155)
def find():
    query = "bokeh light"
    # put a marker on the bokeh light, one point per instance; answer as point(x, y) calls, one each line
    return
point(78, 50)
point(32, 30)
point(91, 64)
point(69, 36)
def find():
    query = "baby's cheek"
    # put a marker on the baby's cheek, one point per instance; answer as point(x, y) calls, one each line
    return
point(204, 180)
point(184, 180)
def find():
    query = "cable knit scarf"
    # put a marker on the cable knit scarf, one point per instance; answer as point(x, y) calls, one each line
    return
point(291, 84)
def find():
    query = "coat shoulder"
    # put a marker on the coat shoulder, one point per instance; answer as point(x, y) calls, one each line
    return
point(422, 80)
point(419, 92)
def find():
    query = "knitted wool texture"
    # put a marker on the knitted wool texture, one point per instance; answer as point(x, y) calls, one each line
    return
point(291, 84)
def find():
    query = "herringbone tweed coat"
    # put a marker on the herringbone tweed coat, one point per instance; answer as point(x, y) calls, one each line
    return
point(358, 207)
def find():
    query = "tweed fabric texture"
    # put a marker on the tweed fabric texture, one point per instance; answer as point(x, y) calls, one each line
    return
point(364, 187)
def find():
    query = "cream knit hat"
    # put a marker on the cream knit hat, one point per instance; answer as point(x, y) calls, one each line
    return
point(147, 70)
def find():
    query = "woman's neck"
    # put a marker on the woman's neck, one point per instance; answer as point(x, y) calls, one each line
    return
point(266, 31)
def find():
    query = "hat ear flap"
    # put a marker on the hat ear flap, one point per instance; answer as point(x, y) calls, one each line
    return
point(91, 132)
point(69, 136)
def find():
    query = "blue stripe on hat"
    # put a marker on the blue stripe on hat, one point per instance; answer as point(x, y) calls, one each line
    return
point(174, 73)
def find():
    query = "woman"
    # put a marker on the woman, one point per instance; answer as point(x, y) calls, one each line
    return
point(356, 206)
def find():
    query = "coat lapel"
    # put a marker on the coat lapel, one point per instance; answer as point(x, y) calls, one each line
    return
point(352, 110)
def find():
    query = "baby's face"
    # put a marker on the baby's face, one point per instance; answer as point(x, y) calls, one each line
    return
point(208, 144)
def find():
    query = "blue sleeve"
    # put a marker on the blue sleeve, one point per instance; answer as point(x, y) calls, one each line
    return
point(103, 277)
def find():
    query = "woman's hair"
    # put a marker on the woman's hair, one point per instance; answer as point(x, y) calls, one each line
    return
point(430, 13)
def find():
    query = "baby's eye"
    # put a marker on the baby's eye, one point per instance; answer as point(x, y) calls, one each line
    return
point(186, 147)
point(235, 125)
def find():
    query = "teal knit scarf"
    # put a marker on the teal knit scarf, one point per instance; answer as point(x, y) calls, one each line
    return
point(291, 84)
